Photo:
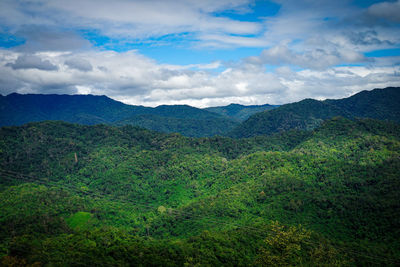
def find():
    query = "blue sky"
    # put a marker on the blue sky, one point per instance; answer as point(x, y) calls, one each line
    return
point(202, 53)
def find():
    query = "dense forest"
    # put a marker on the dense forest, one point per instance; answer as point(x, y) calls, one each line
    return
point(76, 195)
point(240, 112)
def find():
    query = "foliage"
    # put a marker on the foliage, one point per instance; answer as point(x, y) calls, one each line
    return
point(136, 197)
point(308, 114)
point(193, 127)
point(240, 112)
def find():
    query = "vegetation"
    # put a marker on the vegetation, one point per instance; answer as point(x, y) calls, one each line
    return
point(234, 120)
point(381, 104)
point(108, 196)
point(192, 127)
point(240, 112)
point(308, 114)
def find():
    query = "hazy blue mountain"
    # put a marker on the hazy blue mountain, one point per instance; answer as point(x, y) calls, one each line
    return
point(17, 109)
point(240, 112)
point(307, 114)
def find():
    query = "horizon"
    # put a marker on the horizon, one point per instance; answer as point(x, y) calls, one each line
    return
point(208, 54)
point(208, 106)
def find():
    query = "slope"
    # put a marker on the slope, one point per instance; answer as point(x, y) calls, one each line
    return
point(308, 114)
point(187, 126)
point(303, 115)
point(240, 112)
point(382, 104)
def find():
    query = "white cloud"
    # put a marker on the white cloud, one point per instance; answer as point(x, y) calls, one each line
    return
point(54, 21)
point(312, 58)
point(138, 19)
point(136, 79)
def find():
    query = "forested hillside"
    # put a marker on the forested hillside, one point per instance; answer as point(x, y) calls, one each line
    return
point(305, 115)
point(77, 195)
point(193, 127)
point(382, 104)
point(240, 112)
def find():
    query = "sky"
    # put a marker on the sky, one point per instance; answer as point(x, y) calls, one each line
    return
point(201, 53)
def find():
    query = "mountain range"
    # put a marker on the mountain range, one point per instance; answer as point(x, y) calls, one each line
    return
point(233, 120)
point(17, 109)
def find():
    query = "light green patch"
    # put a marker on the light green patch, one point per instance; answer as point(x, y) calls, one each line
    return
point(80, 220)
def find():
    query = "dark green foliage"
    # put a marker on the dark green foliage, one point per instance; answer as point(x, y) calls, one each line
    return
point(136, 197)
point(193, 127)
point(303, 115)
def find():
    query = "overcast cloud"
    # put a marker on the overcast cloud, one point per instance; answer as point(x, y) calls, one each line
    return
point(316, 49)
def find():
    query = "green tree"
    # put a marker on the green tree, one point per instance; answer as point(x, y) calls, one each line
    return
point(283, 247)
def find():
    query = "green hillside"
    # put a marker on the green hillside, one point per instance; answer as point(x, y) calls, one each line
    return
point(304, 115)
point(192, 127)
point(116, 196)
point(382, 104)
point(240, 112)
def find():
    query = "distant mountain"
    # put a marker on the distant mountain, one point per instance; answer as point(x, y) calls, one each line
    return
point(17, 109)
point(307, 114)
point(381, 104)
point(183, 112)
point(240, 112)
point(193, 127)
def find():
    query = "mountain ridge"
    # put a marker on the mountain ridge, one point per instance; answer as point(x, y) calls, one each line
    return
point(240, 112)
point(233, 120)
point(17, 109)
point(307, 114)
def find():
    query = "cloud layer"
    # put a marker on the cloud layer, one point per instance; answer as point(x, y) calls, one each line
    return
point(314, 49)
point(136, 79)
